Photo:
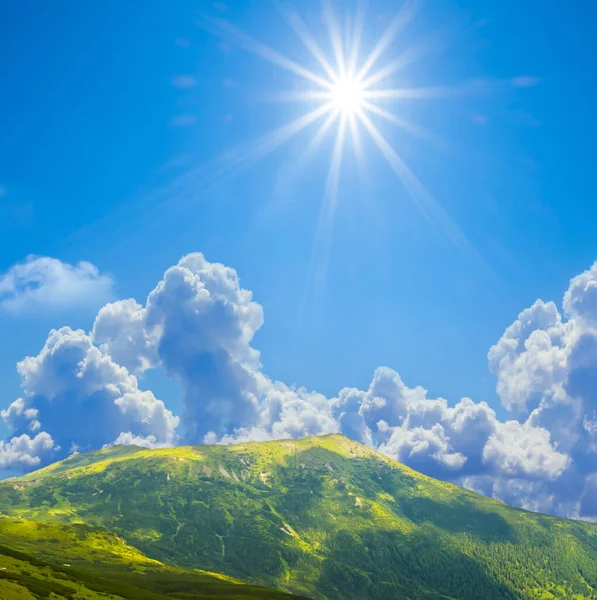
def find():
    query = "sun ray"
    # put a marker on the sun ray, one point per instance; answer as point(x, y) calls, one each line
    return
point(301, 30)
point(417, 130)
point(184, 189)
point(323, 235)
point(428, 93)
point(331, 191)
point(357, 34)
point(400, 21)
point(322, 131)
point(355, 135)
point(343, 86)
point(272, 140)
point(300, 96)
point(354, 91)
point(409, 56)
point(227, 31)
point(426, 202)
point(296, 166)
point(335, 37)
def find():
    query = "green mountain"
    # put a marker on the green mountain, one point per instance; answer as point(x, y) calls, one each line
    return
point(76, 562)
point(325, 517)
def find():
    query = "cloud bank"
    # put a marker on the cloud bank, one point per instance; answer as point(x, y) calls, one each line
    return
point(82, 391)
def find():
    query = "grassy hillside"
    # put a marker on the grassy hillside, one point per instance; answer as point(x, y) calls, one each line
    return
point(77, 562)
point(325, 517)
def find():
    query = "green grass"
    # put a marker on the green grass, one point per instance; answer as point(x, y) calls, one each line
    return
point(324, 517)
point(76, 562)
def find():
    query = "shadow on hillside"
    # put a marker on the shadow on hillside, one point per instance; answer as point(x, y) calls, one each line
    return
point(384, 565)
point(461, 516)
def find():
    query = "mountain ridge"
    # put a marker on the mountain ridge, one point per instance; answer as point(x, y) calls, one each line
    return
point(323, 516)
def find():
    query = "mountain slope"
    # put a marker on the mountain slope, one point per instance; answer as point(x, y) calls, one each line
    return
point(51, 560)
point(325, 517)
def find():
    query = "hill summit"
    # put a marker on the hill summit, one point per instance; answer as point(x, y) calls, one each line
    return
point(324, 517)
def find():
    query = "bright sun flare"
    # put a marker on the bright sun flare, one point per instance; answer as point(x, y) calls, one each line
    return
point(348, 91)
point(348, 94)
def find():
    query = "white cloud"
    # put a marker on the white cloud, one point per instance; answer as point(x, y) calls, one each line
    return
point(16, 415)
point(520, 450)
point(283, 412)
point(126, 438)
point(41, 283)
point(419, 445)
point(198, 324)
point(404, 423)
point(547, 368)
point(530, 357)
point(120, 331)
point(206, 323)
point(23, 452)
point(143, 408)
point(580, 300)
point(82, 398)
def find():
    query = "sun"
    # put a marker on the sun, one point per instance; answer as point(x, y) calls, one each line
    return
point(347, 95)
point(350, 94)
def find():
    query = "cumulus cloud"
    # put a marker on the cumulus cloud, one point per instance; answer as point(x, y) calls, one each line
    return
point(23, 452)
point(206, 323)
point(531, 357)
point(407, 425)
point(120, 331)
point(547, 369)
point(198, 324)
point(17, 415)
point(283, 412)
point(520, 450)
point(580, 300)
point(420, 446)
point(82, 398)
point(43, 283)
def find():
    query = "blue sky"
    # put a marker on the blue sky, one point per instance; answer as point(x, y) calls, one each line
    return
point(112, 117)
